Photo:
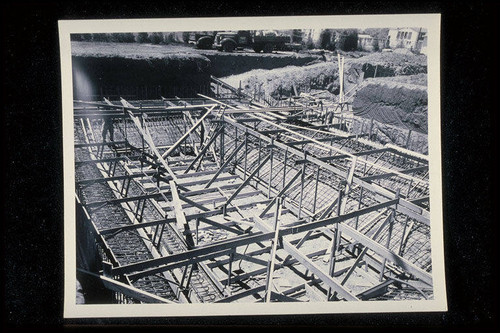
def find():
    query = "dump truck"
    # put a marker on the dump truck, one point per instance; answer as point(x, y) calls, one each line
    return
point(228, 41)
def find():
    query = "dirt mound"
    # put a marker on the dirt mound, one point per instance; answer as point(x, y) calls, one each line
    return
point(383, 64)
point(281, 81)
point(393, 103)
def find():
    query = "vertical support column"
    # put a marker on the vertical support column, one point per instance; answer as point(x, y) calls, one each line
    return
point(408, 140)
point(302, 176)
point(185, 129)
point(359, 206)
point(409, 189)
point(403, 234)
point(270, 170)
point(336, 237)
point(246, 154)
point(284, 166)
point(260, 148)
point(389, 235)
point(235, 146)
point(229, 270)
point(274, 247)
point(221, 139)
point(316, 190)
point(197, 226)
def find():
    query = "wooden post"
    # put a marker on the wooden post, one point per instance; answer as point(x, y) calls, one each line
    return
point(408, 140)
point(221, 148)
point(235, 145)
point(302, 185)
point(246, 154)
point(316, 190)
point(371, 129)
point(388, 243)
point(284, 167)
point(270, 170)
point(336, 237)
point(359, 206)
point(400, 251)
point(269, 279)
point(229, 270)
point(260, 147)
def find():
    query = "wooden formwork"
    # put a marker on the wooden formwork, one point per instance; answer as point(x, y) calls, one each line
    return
point(208, 200)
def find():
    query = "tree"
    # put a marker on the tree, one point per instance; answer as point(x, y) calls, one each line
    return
point(326, 40)
point(142, 37)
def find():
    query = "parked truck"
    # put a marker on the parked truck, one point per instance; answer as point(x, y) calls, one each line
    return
point(228, 41)
point(203, 39)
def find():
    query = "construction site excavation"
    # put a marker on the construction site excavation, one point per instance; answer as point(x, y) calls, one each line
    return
point(216, 173)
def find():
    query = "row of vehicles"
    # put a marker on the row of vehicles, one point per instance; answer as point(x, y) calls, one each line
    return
point(228, 41)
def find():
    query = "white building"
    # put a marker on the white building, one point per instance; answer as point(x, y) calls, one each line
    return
point(365, 42)
point(414, 39)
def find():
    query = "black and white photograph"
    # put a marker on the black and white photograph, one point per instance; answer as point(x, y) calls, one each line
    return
point(263, 161)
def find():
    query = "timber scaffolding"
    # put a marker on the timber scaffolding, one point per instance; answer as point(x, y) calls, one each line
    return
point(224, 199)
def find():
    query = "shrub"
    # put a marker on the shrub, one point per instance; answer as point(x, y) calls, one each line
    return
point(142, 37)
point(156, 38)
point(122, 37)
point(81, 37)
point(100, 37)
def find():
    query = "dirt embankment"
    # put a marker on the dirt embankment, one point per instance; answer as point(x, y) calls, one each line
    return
point(145, 71)
point(225, 64)
point(325, 75)
point(384, 64)
point(284, 81)
point(384, 133)
point(393, 103)
point(97, 77)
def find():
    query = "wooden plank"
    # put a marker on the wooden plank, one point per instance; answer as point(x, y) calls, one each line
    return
point(225, 164)
point(244, 240)
point(187, 134)
point(309, 264)
point(249, 178)
point(182, 223)
point(242, 294)
point(375, 291)
point(133, 292)
point(387, 254)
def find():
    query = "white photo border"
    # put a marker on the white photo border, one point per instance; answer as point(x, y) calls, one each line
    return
point(432, 22)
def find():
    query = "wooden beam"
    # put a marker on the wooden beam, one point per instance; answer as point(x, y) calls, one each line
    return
point(375, 291)
point(249, 178)
point(179, 264)
point(387, 254)
point(245, 239)
point(186, 135)
point(225, 164)
point(242, 294)
point(182, 223)
point(310, 265)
